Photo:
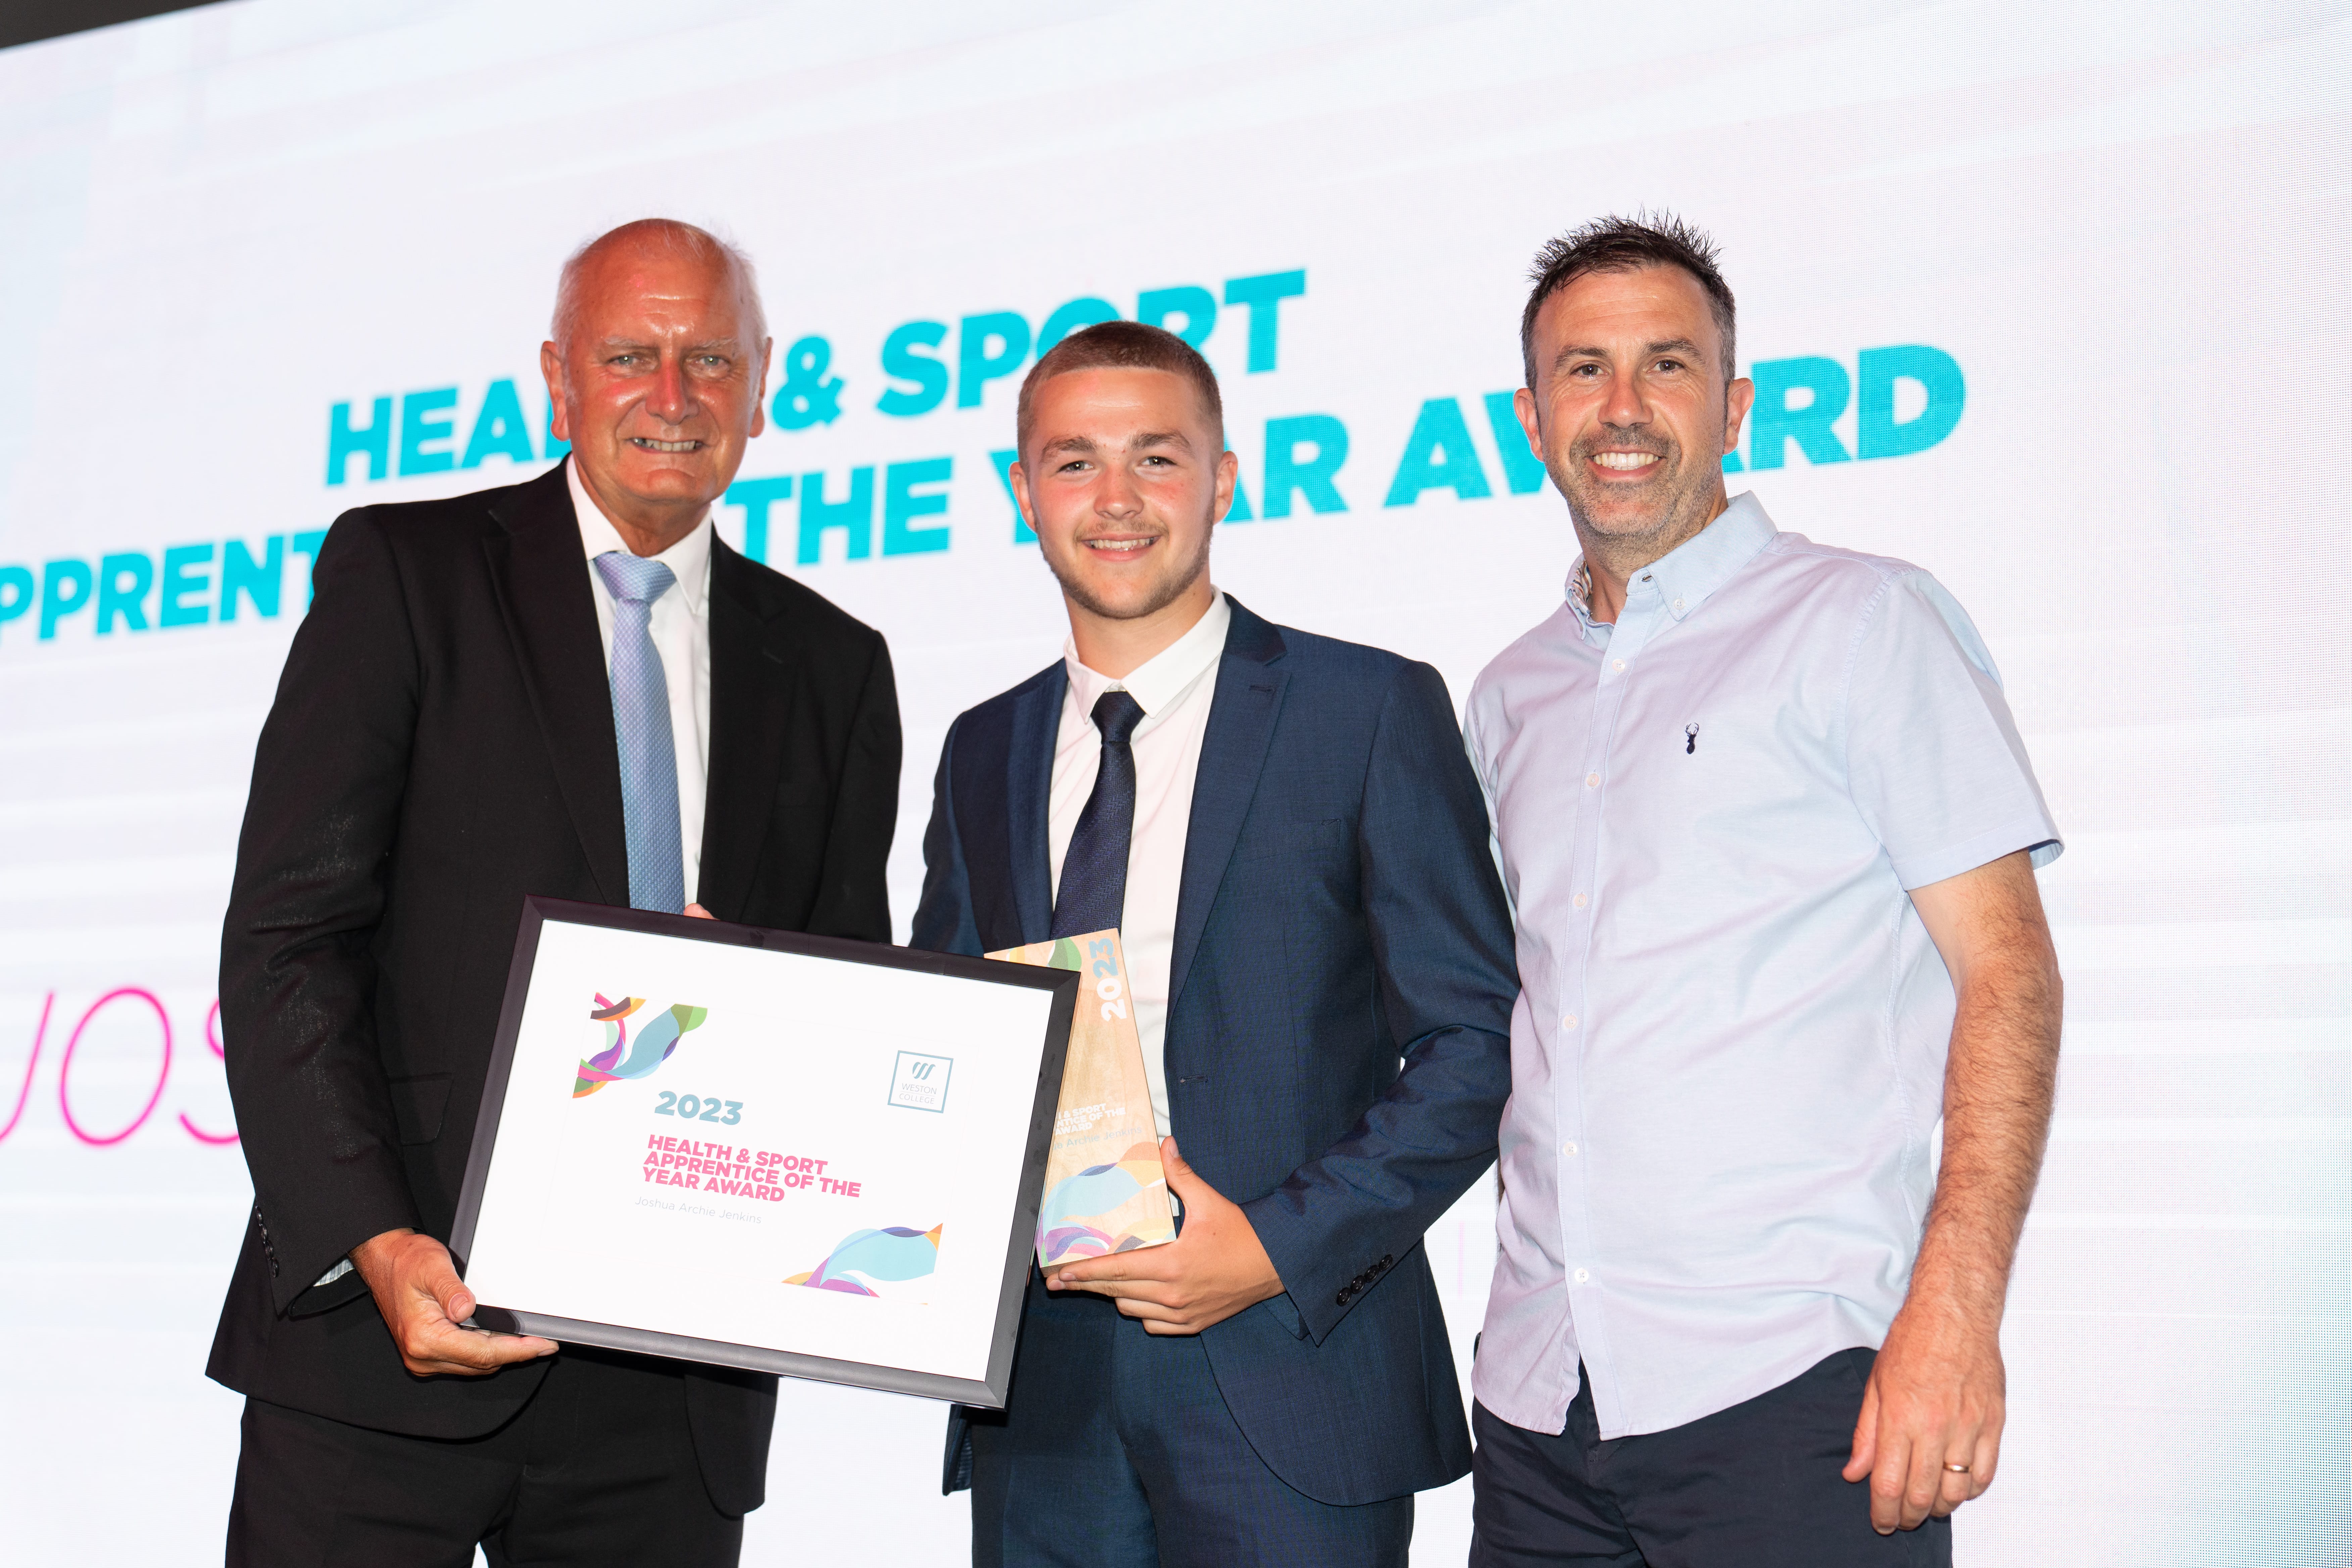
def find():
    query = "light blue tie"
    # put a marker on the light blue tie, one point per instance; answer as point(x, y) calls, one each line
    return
point(641, 721)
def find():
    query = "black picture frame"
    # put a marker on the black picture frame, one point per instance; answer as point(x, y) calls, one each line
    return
point(1020, 1245)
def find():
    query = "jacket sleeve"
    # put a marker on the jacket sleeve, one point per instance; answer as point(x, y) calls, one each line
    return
point(944, 922)
point(313, 864)
point(856, 897)
point(1441, 945)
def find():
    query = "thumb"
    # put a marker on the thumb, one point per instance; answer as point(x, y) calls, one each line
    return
point(456, 1302)
point(1183, 1180)
point(698, 912)
point(1865, 1436)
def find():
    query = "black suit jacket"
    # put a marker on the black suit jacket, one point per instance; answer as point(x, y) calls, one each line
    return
point(442, 745)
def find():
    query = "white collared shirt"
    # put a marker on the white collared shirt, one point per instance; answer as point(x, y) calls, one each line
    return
point(1174, 688)
point(1727, 1058)
point(680, 628)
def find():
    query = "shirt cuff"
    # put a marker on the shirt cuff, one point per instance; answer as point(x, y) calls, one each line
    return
point(2039, 834)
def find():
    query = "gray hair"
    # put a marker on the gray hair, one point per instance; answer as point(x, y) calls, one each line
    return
point(668, 236)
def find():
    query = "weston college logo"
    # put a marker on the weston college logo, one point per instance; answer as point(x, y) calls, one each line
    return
point(652, 1046)
point(918, 1082)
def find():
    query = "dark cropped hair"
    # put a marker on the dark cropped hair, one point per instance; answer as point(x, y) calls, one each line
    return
point(1122, 345)
point(1616, 244)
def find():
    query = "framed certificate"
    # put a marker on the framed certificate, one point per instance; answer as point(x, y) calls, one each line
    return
point(791, 1153)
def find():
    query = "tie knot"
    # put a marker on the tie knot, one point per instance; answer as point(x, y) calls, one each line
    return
point(634, 579)
point(1117, 713)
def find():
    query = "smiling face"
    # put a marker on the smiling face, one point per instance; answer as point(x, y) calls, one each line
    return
point(1629, 411)
point(1123, 480)
point(659, 384)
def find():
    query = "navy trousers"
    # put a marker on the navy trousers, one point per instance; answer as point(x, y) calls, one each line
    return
point(1756, 1486)
point(1116, 1450)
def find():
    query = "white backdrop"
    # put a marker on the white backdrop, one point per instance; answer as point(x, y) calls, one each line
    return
point(2107, 240)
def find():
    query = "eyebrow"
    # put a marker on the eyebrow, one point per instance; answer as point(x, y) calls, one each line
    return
point(1663, 346)
point(1151, 438)
point(1073, 444)
point(607, 346)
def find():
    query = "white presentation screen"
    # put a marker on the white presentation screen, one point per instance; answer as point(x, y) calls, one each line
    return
point(2047, 298)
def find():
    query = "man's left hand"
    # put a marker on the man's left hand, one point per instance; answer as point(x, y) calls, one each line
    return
point(1937, 1397)
point(1215, 1268)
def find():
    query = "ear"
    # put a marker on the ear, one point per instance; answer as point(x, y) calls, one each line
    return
point(1229, 474)
point(550, 370)
point(1019, 474)
point(1523, 404)
point(1737, 399)
point(760, 392)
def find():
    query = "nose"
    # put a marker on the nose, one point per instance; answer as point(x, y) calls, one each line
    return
point(672, 400)
point(1118, 496)
point(1624, 407)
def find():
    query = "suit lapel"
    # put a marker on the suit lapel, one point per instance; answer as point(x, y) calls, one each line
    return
point(541, 579)
point(1232, 750)
point(1028, 789)
point(755, 685)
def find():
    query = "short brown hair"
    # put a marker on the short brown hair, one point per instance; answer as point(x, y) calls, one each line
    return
point(1616, 244)
point(1122, 345)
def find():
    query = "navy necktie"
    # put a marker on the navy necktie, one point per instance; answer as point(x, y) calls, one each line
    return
point(1093, 894)
point(641, 722)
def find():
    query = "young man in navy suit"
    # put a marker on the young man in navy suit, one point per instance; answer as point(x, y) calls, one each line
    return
point(1289, 835)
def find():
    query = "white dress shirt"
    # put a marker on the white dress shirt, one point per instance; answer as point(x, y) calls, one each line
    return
point(1174, 688)
point(680, 628)
point(1728, 1058)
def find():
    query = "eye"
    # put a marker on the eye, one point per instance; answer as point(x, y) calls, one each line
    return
point(1670, 364)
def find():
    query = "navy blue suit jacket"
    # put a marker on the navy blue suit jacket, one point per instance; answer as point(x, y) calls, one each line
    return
point(1338, 1046)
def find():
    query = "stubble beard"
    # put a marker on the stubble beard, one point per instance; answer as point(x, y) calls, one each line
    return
point(1172, 587)
point(1679, 505)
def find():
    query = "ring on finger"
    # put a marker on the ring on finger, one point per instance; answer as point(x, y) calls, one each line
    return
point(1956, 1469)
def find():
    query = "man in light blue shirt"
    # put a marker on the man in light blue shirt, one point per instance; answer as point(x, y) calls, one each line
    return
point(1769, 833)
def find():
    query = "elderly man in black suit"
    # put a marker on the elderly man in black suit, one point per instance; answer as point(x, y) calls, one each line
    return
point(569, 687)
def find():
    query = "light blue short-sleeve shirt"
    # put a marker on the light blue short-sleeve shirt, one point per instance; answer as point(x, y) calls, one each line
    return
point(1727, 1056)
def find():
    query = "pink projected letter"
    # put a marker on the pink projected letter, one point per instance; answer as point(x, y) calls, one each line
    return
point(212, 1038)
point(25, 1090)
point(65, 1066)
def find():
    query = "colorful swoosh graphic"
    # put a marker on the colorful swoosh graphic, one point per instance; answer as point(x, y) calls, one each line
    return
point(1088, 1214)
point(651, 1048)
point(863, 1256)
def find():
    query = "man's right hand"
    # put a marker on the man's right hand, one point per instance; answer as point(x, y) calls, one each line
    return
point(425, 1304)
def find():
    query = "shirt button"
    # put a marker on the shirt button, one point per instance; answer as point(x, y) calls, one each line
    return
point(1569, 1021)
point(1569, 1150)
point(1618, 664)
point(1583, 1276)
point(1581, 901)
point(1593, 781)
point(1678, 603)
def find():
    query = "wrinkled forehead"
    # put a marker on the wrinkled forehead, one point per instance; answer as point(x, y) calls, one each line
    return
point(1627, 309)
point(641, 284)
